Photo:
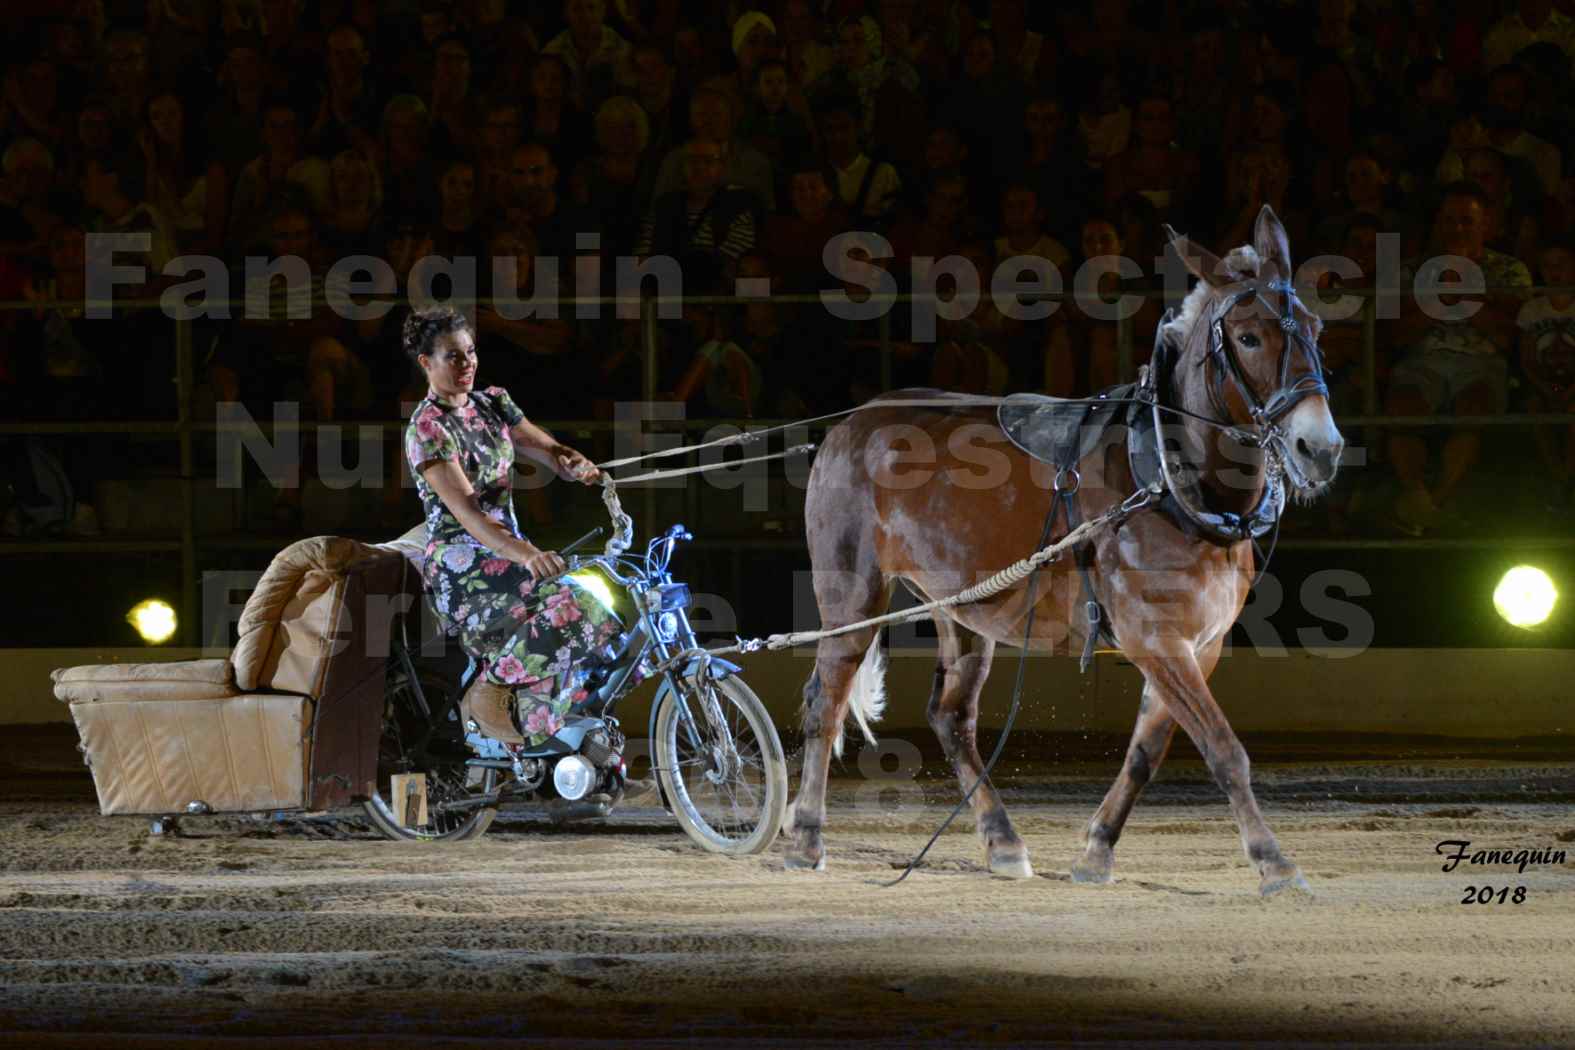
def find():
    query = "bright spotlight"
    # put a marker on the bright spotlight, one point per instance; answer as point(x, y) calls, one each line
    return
point(153, 619)
point(1525, 596)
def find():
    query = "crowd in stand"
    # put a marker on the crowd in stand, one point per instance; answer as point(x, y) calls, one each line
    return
point(738, 140)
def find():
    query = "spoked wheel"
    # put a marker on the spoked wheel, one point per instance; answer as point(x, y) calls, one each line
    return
point(427, 738)
point(720, 762)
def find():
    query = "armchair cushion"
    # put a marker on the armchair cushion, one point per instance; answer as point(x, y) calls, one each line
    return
point(174, 680)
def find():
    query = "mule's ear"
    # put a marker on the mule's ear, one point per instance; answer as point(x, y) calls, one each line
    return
point(1268, 237)
point(1200, 262)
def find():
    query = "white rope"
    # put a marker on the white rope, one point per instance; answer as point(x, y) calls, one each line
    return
point(1007, 577)
point(961, 401)
point(678, 472)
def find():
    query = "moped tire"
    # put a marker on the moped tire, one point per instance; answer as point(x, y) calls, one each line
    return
point(703, 787)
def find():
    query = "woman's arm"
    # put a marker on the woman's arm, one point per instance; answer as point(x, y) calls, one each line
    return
point(454, 489)
point(539, 444)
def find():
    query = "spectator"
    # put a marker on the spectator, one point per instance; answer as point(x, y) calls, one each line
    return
point(1503, 117)
point(30, 103)
point(807, 58)
point(868, 187)
point(355, 200)
point(616, 178)
point(710, 218)
point(941, 230)
point(985, 103)
point(126, 82)
point(1452, 366)
point(554, 119)
point(233, 122)
point(1512, 223)
point(721, 379)
point(1105, 126)
point(1153, 164)
point(528, 353)
point(884, 87)
point(972, 352)
point(188, 190)
point(1366, 192)
point(274, 350)
point(1259, 176)
point(409, 239)
point(1023, 230)
point(711, 117)
point(1050, 160)
point(786, 364)
point(497, 138)
point(283, 171)
point(772, 122)
point(539, 206)
point(1342, 340)
point(656, 90)
point(350, 104)
point(408, 174)
point(794, 244)
point(754, 40)
point(449, 104)
point(596, 56)
point(1081, 355)
point(1547, 355)
point(1532, 22)
point(116, 196)
point(457, 236)
point(27, 218)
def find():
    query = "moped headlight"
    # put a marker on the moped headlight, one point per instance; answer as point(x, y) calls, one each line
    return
point(667, 626)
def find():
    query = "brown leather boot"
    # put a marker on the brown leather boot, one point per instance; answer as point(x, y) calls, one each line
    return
point(489, 706)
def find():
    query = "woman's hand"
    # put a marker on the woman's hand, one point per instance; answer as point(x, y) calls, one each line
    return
point(542, 564)
point(573, 466)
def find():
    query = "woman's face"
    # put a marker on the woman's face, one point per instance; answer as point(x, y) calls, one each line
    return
point(853, 49)
point(93, 131)
point(547, 81)
point(453, 67)
point(620, 133)
point(406, 134)
point(1364, 180)
point(1043, 120)
point(168, 120)
point(352, 182)
point(451, 366)
point(458, 187)
point(979, 58)
point(1100, 238)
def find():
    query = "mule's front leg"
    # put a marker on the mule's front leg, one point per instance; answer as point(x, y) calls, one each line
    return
point(1150, 742)
point(1182, 685)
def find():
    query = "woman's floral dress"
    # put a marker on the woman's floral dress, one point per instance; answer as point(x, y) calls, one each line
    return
point(528, 636)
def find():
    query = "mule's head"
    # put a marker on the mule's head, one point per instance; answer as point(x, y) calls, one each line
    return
point(1244, 329)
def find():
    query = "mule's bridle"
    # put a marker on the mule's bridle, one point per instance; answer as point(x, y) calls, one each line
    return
point(1266, 414)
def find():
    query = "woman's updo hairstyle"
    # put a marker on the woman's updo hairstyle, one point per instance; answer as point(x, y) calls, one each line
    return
point(424, 326)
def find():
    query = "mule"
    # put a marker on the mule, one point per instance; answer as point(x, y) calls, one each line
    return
point(933, 498)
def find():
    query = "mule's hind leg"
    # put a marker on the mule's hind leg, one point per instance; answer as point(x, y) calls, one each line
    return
point(1150, 741)
point(960, 671)
point(837, 662)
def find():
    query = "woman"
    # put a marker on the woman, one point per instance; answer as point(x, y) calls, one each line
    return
point(553, 118)
point(355, 197)
point(487, 581)
point(1081, 355)
point(192, 192)
point(618, 177)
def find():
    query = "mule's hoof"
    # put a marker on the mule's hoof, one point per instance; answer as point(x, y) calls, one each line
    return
point(1012, 866)
point(1279, 882)
point(1092, 873)
point(798, 862)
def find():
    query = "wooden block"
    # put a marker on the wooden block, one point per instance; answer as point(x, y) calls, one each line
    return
point(410, 798)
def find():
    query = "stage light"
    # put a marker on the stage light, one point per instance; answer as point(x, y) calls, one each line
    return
point(153, 619)
point(1525, 596)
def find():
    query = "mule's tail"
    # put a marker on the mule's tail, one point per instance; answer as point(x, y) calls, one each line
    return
point(867, 698)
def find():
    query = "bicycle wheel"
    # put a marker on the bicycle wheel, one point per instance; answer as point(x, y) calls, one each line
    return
point(722, 769)
point(429, 740)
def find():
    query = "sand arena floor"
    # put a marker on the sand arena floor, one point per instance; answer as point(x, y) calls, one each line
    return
point(591, 935)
